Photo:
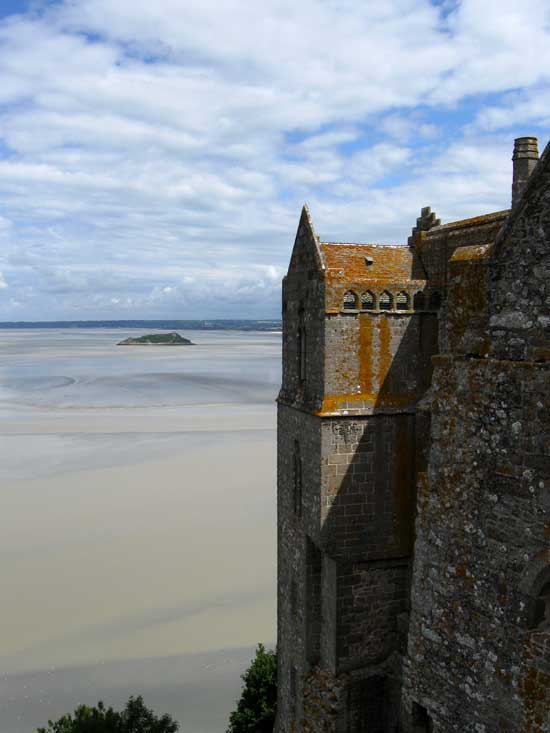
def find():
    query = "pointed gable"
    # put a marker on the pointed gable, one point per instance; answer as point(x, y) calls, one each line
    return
point(306, 253)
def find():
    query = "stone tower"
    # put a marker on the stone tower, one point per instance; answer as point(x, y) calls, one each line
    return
point(360, 327)
point(413, 475)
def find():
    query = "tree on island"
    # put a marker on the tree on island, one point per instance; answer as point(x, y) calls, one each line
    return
point(157, 339)
point(135, 718)
point(255, 711)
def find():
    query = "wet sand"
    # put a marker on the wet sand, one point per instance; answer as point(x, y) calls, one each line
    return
point(139, 533)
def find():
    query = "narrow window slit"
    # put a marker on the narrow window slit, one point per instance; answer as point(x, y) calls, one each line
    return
point(297, 494)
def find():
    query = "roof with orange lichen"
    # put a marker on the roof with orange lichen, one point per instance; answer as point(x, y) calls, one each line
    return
point(472, 253)
point(346, 262)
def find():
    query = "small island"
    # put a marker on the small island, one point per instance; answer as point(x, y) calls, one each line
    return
point(157, 339)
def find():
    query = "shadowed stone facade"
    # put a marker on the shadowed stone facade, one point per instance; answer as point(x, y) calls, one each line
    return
point(413, 473)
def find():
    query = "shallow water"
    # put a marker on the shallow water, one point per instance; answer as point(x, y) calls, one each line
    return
point(137, 483)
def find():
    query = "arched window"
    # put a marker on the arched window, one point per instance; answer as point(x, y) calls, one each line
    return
point(385, 301)
point(435, 301)
point(297, 480)
point(419, 301)
point(350, 301)
point(402, 301)
point(367, 301)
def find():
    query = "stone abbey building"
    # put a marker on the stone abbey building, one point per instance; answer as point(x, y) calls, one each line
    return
point(414, 475)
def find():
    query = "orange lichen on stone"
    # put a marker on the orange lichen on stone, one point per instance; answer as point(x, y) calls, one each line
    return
point(541, 353)
point(423, 483)
point(534, 690)
point(468, 317)
point(385, 355)
point(366, 359)
point(346, 262)
point(474, 252)
point(338, 404)
point(323, 693)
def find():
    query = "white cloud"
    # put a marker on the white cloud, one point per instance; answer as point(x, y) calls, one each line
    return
point(149, 151)
point(406, 128)
point(530, 108)
point(5, 226)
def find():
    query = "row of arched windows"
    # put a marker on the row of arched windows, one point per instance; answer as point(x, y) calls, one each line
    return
point(387, 301)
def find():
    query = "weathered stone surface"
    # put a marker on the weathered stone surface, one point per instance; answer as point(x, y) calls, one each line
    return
point(413, 475)
point(473, 660)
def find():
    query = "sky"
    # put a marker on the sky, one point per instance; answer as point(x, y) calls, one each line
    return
point(154, 156)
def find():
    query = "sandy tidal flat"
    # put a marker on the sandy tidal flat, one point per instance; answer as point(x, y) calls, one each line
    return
point(139, 530)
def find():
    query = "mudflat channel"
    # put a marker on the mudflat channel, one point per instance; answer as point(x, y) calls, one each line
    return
point(137, 536)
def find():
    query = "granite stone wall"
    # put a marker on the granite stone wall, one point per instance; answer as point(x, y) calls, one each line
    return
point(479, 638)
point(366, 487)
point(347, 425)
point(344, 559)
point(376, 359)
point(299, 573)
point(413, 480)
point(475, 660)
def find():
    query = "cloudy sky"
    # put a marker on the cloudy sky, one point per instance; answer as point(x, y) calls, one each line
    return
point(154, 155)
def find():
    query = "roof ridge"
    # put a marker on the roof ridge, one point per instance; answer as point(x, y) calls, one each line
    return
point(472, 220)
point(367, 244)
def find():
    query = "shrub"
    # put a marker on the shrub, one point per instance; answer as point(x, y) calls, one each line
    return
point(135, 718)
point(255, 711)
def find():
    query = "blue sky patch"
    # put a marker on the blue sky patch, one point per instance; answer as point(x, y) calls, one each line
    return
point(151, 157)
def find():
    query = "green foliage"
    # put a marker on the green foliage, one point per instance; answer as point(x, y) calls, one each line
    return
point(162, 338)
point(156, 338)
point(135, 718)
point(255, 711)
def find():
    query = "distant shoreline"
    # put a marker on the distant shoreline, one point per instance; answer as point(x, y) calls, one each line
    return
point(272, 326)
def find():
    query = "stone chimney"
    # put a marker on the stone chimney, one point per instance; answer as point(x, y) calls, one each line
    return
point(525, 157)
